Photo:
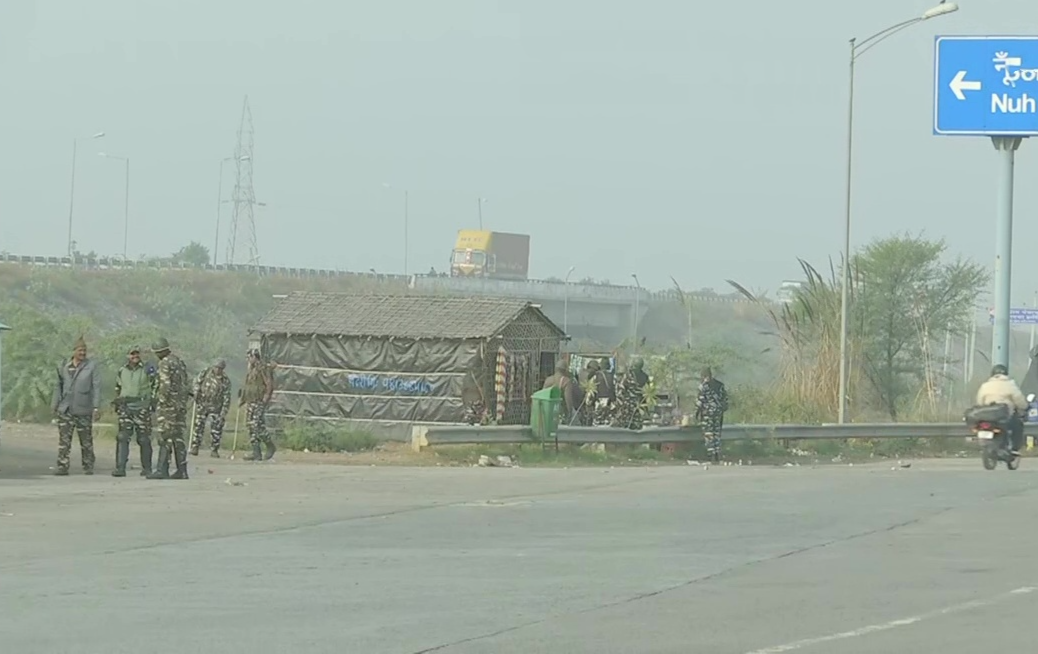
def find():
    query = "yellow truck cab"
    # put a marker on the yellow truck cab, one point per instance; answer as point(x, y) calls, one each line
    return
point(497, 255)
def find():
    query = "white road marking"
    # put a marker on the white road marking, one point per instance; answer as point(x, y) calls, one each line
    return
point(893, 624)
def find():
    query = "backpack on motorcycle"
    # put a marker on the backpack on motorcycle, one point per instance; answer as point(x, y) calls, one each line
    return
point(993, 413)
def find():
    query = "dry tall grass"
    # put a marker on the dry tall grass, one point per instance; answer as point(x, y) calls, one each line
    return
point(808, 332)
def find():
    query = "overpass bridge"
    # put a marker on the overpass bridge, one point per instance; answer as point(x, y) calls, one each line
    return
point(603, 312)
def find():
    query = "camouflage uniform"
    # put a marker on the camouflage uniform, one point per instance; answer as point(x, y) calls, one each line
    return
point(212, 391)
point(75, 401)
point(475, 413)
point(134, 391)
point(67, 426)
point(171, 397)
point(710, 408)
point(595, 386)
point(630, 410)
point(607, 400)
point(256, 394)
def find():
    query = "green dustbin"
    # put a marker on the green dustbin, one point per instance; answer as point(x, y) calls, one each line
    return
point(544, 414)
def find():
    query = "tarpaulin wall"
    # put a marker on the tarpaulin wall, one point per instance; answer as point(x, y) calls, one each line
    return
point(370, 378)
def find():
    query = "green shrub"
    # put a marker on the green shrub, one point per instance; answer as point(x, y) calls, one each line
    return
point(317, 436)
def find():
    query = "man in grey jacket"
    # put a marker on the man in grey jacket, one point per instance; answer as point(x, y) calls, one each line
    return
point(76, 403)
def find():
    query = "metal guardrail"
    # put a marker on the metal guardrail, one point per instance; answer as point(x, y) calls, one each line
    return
point(423, 436)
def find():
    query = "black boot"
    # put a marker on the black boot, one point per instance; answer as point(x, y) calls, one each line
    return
point(180, 456)
point(215, 453)
point(270, 450)
point(122, 454)
point(194, 449)
point(162, 466)
point(145, 457)
point(256, 454)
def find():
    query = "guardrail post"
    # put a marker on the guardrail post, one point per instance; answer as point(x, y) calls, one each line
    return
point(418, 437)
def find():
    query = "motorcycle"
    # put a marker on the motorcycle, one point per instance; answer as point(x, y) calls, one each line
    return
point(990, 425)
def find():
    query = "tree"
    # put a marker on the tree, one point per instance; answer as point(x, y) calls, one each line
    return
point(908, 298)
point(192, 254)
point(677, 371)
point(904, 294)
point(33, 350)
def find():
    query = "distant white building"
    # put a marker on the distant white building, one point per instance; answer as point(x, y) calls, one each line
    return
point(787, 291)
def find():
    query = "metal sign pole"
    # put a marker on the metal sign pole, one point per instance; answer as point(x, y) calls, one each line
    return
point(1007, 147)
point(985, 86)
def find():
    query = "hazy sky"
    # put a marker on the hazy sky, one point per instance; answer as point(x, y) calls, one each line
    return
point(703, 140)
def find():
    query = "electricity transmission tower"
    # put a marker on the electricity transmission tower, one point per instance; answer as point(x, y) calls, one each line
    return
point(243, 219)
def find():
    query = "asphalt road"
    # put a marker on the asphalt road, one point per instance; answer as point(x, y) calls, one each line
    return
point(21, 458)
point(322, 558)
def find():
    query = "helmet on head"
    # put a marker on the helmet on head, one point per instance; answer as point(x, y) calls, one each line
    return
point(161, 345)
point(999, 369)
point(637, 363)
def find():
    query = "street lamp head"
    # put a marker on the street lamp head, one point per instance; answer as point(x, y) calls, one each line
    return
point(940, 10)
point(98, 135)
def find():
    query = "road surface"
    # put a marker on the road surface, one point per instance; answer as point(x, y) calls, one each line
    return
point(284, 557)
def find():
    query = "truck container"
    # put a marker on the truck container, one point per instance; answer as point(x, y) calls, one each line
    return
point(496, 255)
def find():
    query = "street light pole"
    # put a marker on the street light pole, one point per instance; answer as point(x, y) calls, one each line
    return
point(856, 50)
point(126, 200)
point(126, 211)
point(637, 308)
point(406, 221)
point(219, 203)
point(72, 190)
point(71, 200)
point(565, 301)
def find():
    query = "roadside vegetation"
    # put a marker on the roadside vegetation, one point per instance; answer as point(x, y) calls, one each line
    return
point(908, 300)
point(205, 315)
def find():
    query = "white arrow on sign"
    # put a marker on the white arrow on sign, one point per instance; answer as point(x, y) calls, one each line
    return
point(959, 84)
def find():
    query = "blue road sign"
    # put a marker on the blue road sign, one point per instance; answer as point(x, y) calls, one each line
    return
point(1019, 316)
point(986, 86)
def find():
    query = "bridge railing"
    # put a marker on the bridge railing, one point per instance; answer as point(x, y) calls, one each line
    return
point(538, 287)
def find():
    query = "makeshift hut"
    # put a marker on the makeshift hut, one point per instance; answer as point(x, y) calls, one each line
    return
point(406, 358)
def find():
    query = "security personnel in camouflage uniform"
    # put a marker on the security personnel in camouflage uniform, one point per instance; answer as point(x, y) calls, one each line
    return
point(76, 405)
point(133, 395)
point(711, 405)
point(255, 396)
point(212, 392)
point(171, 397)
point(630, 391)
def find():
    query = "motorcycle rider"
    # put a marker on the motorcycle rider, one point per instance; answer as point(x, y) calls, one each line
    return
point(1001, 389)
